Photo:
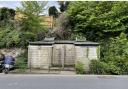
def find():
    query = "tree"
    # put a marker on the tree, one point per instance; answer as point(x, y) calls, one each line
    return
point(99, 20)
point(31, 25)
point(32, 7)
point(6, 15)
point(115, 59)
point(31, 11)
point(63, 5)
point(53, 11)
point(62, 29)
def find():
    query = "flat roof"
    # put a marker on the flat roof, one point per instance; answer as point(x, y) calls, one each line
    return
point(44, 42)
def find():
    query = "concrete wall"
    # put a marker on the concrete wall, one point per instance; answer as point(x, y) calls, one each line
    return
point(60, 54)
point(39, 56)
point(86, 53)
point(63, 54)
point(69, 54)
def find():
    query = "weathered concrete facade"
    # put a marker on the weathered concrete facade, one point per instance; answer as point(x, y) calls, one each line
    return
point(63, 53)
point(39, 56)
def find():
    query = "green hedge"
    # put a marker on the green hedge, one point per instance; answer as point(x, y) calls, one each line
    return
point(114, 68)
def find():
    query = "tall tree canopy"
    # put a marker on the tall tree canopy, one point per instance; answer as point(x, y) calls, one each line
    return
point(31, 11)
point(53, 11)
point(6, 14)
point(32, 7)
point(63, 5)
point(99, 20)
point(31, 27)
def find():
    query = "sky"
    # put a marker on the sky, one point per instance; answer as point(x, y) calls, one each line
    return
point(14, 4)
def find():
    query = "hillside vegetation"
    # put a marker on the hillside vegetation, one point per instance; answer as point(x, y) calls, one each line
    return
point(105, 22)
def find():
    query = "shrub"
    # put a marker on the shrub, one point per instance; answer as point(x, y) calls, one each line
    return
point(12, 38)
point(9, 38)
point(114, 58)
point(116, 68)
point(21, 62)
point(97, 67)
point(80, 68)
point(25, 37)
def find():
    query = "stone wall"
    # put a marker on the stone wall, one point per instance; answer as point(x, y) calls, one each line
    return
point(13, 51)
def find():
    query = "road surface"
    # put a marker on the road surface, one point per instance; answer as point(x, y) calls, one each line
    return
point(62, 82)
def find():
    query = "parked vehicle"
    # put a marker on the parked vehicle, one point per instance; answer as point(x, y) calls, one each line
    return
point(0, 66)
point(9, 62)
point(1, 61)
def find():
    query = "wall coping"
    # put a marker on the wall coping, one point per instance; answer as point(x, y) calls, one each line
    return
point(82, 43)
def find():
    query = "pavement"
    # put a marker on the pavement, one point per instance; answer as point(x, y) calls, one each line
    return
point(50, 81)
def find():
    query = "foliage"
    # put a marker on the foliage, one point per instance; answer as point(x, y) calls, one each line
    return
point(117, 47)
point(105, 22)
point(25, 38)
point(114, 59)
point(63, 5)
point(32, 7)
point(21, 62)
point(97, 67)
point(53, 11)
point(6, 15)
point(79, 68)
point(62, 29)
point(98, 20)
point(30, 24)
point(28, 29)
point(9, 38)
point(12, 39)
point(31, 20)
point(77, 37)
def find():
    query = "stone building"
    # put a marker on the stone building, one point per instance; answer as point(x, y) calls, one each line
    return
point(45, 54)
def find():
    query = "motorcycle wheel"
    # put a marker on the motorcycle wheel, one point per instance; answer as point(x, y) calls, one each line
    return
point(6, 70)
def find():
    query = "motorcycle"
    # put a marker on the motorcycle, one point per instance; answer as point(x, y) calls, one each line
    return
point(8, 64)
point(7, 68)
point(0, 67)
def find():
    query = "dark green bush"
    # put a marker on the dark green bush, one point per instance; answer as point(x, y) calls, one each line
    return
point(9, 37)
point(97, 67)
point(79, 68)
point(114, 59)
point(119, 67)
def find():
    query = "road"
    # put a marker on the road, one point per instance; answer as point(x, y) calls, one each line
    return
point(62, 82)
